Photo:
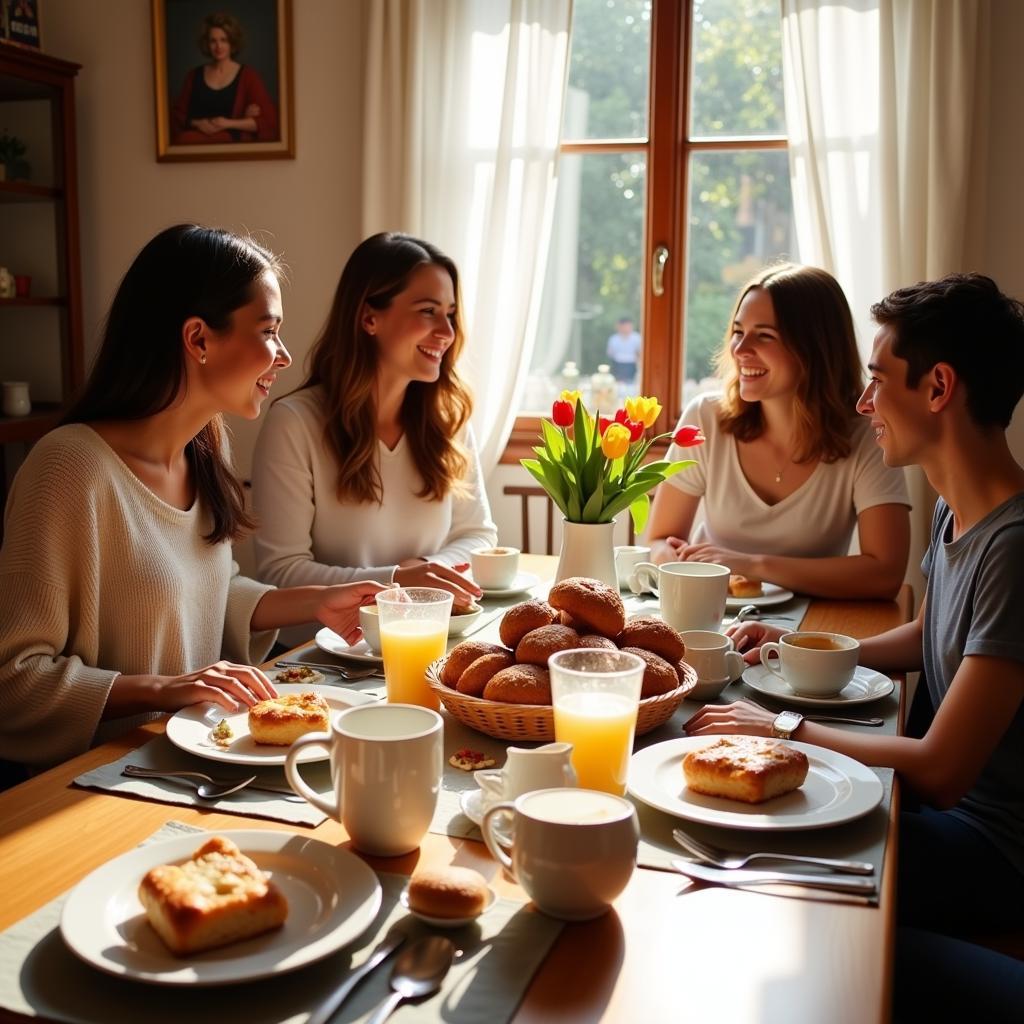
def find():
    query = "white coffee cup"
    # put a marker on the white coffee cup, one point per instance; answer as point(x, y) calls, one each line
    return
point(527, 769)
point(572, 850)
point(813, 664)
point(627, 558)
point(691, 594)
point(712, 655)
point(369, 622)
point(386, 767)
point(494, 568)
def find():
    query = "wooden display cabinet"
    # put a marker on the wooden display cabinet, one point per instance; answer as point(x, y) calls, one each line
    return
point(40, 333)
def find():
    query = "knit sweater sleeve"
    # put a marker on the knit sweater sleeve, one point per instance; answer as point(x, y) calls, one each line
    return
point(241, 645)
point(50, 703)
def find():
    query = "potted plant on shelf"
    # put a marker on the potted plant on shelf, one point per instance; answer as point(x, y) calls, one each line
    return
point(593, 469)
point(12, 166)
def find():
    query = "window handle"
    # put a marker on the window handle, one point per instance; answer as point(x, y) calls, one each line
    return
point(658, 274)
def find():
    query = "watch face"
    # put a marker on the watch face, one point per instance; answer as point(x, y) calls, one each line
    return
point(785, 724)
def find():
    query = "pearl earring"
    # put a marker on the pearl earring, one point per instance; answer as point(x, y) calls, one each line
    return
point(202, 359)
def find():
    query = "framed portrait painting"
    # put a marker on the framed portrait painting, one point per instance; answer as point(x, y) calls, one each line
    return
point(223, 79)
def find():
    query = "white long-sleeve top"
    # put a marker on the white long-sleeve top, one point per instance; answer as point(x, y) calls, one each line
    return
point(99, 576)
point(307, 536)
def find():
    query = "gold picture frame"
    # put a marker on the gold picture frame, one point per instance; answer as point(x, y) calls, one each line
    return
point(210, 103)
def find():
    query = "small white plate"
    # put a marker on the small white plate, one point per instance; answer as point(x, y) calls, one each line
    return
point(190, 728)
point(472, 804)
point(837, 789)
point(772, 595)
point(328, 640)
point(332, 897)
point(866, 686)
point(523, 581)
point(448, 922)
point(460, 624)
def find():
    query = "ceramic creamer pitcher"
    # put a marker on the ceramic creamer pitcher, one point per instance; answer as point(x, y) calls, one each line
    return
point(527, 769)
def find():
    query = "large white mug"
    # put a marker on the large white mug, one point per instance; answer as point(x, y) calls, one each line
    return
point(572, 850)
point(386, 767)
point(691, 594)
point(527, 769)
point(813, 664)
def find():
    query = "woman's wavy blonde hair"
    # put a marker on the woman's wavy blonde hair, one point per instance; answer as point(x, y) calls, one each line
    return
point(343, 362)
point(816, 327)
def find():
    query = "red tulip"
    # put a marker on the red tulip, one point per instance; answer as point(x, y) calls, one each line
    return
point(688, 437)
point(635, 428)
point(603, 423)
point(563, 413)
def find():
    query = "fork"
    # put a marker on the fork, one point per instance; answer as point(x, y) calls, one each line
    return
point(351, 674)
point(719, 858)
point(208, 787)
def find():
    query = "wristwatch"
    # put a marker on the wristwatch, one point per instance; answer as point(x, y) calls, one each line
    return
point(786, 724)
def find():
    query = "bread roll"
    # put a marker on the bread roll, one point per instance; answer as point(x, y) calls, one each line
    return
point(280, 721)
point(448, 892)
point(217, 897)
point(748, 768)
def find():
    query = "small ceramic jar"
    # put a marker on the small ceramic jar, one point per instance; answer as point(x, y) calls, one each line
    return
point(15, 398)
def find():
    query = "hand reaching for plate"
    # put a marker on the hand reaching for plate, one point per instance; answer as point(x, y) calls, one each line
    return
point(421, 573)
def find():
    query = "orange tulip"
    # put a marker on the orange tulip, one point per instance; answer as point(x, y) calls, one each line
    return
point(615, 441)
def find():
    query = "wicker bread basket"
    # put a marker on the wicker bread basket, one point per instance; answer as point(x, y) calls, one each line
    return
point(537, 721)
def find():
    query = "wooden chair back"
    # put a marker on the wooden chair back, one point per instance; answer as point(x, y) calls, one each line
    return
point(525, 493)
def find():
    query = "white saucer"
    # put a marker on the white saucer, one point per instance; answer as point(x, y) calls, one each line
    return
point(328, 640)
point(448, 922)
point(772, 595)
point(866, 686)
point(472, 804)
point(523, 581)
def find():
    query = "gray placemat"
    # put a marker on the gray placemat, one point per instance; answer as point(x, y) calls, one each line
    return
point(161, 753)
point(787, 615)
point(40, 977)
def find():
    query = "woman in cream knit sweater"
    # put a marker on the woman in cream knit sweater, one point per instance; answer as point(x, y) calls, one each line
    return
point(118, 594)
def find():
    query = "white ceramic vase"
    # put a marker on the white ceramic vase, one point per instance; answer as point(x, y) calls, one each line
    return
point(588, 550)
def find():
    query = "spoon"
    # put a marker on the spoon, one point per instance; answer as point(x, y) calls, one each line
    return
point(418, 971)
point(206, 787)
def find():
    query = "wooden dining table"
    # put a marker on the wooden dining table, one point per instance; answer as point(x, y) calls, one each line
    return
point(669, 950)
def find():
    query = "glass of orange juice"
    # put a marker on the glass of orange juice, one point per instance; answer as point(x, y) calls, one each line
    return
point(596, 695)
point(413, 633)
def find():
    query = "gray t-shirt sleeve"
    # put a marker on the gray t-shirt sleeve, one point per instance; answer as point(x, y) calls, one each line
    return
point(995, 627)
point(938, 517)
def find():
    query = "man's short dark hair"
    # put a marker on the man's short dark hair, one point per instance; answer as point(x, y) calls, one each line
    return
point(966, 321)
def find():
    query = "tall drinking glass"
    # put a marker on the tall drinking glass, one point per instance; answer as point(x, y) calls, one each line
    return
point(596, 695)
point(413, 633)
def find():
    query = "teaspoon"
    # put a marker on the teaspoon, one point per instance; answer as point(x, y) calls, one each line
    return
point(418, 971)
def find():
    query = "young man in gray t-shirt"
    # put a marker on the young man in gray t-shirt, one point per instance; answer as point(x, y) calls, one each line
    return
point(947, 371)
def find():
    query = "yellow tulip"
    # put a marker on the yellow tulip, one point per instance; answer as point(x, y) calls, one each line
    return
point(643, 410)
point(572, 397)
point(615, 441)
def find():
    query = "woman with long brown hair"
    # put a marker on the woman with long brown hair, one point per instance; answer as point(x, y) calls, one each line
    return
point(118, 594)
point(369, 471)
point(789, 469)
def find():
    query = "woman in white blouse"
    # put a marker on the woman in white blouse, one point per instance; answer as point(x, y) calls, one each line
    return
point(788, 469)
point(369, 471)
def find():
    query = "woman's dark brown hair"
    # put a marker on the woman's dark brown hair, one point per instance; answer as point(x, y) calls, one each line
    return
point(231, 27)
point(185, 271)
point(343, 362)
point(814, 324)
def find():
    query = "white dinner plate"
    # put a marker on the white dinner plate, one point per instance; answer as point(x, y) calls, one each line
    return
point(332, 897)
point(523, 581)
point(772, 595)
point(836, 789)
point(328, 640)
point(190, 728)
point(866, 686)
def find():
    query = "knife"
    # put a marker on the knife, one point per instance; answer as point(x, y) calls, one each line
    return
point(385, 948)
point(738, 877)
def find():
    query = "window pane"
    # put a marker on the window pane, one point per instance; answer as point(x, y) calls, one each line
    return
point(593, 281)
point(736, 77)
point(740, 211)
point(609, 64)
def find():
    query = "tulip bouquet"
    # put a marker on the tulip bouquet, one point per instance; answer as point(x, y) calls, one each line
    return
point(593, 469)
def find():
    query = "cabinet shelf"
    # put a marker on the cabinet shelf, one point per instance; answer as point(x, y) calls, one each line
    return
point(27, 192)
point(43, 417)
point(32, 300)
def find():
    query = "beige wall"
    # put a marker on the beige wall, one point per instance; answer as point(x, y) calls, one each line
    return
point(306, 208)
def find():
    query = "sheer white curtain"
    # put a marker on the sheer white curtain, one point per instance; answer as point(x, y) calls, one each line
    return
point(883, 102)
point(463, 116)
